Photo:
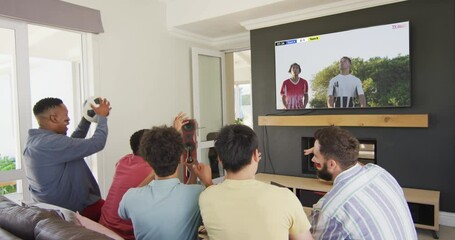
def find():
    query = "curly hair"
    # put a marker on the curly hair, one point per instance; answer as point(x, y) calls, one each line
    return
point(235, 145)
point(162, 147)
point(338, 144)
point(45, 104)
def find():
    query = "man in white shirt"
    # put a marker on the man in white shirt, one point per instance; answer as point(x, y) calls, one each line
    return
point(344, 88)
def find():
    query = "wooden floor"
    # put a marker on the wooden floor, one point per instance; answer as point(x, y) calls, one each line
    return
point(445, 233)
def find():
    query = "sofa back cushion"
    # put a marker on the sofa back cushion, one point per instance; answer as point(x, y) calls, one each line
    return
point(66, 214)
point(53, 229)
point(6, 202)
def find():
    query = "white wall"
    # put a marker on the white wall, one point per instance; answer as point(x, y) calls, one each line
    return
point(141, 69)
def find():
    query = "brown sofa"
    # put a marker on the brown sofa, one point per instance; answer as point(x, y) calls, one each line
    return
point(32, 222)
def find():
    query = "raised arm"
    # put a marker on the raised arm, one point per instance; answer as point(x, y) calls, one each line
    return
point(204, 173)
point(82, 129)
point(180, 120)
point(103, 109)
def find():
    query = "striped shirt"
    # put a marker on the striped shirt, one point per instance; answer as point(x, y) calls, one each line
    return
point(364, 203)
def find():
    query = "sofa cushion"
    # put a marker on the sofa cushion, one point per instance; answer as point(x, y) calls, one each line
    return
point(66, 214)
point(52, 228)
point(21, 221)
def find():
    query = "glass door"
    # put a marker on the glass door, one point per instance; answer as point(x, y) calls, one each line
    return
point(209, 103)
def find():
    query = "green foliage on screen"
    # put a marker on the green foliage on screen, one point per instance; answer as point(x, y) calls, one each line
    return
point(385, 82)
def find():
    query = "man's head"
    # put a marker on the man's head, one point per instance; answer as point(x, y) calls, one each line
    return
point(52, 114)
point(135, 140)
point(345, 64)
point(295, 69)
point(335, 150)
point(235, 145)
point(162, 147)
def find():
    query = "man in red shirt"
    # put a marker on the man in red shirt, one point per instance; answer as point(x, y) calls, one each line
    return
point(294, 91)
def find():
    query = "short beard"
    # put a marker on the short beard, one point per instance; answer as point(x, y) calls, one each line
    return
point(324, 173)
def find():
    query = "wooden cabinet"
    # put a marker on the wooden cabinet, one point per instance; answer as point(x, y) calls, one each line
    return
point(424, 204)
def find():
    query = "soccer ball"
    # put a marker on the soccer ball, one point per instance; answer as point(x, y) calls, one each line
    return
point(87, 110)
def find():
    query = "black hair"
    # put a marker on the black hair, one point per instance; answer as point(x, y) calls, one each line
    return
point(135, 140)
point(347, 58)
point(294, 64)
point(235, 144)
point(45, 104)
point(162, 147)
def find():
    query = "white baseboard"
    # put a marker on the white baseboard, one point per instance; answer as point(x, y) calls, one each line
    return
point(447, 219)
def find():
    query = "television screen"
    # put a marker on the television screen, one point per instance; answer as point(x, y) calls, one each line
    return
point(366, 67)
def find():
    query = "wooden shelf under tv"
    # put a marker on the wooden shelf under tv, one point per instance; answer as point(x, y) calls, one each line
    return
point(351, 120)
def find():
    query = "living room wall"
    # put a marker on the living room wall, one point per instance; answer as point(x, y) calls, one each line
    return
point(143, 70)
point(418, 157)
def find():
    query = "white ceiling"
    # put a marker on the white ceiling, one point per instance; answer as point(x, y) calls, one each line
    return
point(205, 21)
point(231, 24)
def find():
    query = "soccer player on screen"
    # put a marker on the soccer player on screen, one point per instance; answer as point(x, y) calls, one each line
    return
point(294, 91)
point(344, 88)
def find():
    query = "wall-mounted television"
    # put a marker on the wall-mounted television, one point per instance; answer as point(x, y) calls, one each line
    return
point(366, 67)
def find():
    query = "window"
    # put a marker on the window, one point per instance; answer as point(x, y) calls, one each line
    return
point(35, 62)
point(242, 88)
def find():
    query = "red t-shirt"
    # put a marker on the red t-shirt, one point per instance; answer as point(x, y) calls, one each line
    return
point(294, 93)
point(130, 171)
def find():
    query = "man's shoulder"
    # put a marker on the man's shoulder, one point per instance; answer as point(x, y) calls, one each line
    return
point(190, 189)
point(260, 187)
point(135, 191)
point(44, 137)
point(354, 77)
point(41, 132)
point(335, 77)
point(132, 160)
point(286, 81)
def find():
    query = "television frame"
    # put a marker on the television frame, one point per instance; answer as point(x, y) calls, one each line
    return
point(389, 48)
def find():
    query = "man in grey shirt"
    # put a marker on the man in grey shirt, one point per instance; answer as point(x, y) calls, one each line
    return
point(54, 163)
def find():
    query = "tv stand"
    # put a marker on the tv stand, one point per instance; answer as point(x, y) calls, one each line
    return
point(424, 204)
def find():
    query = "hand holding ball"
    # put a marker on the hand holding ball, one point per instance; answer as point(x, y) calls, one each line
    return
point(87, 110)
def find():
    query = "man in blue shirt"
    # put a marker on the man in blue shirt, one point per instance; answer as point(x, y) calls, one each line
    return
point(54, 163)
point(165, 208)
